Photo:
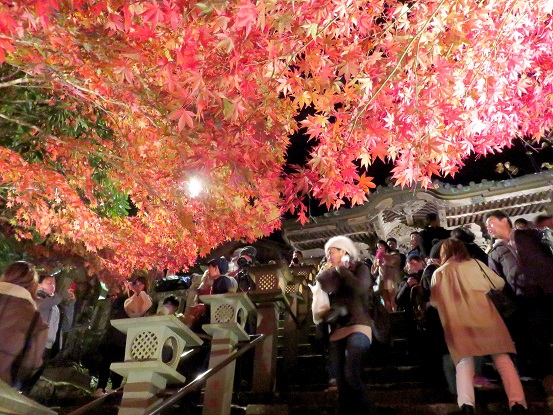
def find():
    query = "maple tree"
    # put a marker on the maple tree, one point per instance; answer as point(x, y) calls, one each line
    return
point(152, 93)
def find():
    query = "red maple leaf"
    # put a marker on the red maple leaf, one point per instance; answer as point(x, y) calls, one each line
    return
point(366, 182)
point(379, 150)
point(185, 118)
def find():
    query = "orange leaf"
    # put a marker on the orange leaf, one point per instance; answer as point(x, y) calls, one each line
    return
point(366, 182)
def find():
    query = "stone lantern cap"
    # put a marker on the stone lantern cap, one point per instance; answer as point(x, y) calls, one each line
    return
point(126, 324)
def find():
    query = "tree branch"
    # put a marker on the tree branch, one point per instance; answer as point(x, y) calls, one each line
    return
point(22, 123)
point(14, 82)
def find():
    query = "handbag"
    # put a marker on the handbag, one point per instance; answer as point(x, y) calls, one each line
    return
point(502, 302)
point(321, 303)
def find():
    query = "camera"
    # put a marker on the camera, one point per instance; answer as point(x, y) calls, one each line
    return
point(244, 280)
point(243, 262)
point(246, 256)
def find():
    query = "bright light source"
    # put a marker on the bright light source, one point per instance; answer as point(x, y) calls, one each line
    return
point(194, 187)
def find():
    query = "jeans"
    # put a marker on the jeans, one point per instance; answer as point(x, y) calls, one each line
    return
point(350, 354)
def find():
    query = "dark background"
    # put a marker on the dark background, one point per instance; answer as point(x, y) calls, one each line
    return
point(528, 159)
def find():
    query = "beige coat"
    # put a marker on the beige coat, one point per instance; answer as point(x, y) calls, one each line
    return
point(471, 323)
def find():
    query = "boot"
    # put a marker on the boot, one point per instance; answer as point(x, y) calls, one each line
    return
point(518, 409)
point(467, 409)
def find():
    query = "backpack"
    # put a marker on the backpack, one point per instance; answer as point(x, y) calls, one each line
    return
point(535, 257)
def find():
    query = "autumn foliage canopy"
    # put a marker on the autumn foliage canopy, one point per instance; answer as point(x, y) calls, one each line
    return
point(112, 106)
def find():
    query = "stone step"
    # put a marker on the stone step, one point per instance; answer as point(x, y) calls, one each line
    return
point(401, 398)
point(420, 409)
point(304, 349)
point(414, 400)
point(419, 401)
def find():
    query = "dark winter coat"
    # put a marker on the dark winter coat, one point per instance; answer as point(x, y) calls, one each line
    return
point(535, 261)
point(503, 261)
point(348, 290)
point(17, 310)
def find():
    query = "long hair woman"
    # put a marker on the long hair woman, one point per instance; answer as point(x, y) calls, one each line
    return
point(387, 266)
point(348, 283)
point(472, 325)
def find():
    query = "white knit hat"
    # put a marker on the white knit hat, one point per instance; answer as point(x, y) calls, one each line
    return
point(343, 242)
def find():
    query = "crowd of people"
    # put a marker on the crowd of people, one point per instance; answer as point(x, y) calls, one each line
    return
point(442, 285)
point(36, 318)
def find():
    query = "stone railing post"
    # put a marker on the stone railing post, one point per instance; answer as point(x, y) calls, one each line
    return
point(304, 275)
point(270, 283)
point(228, 316)
point(154, 346)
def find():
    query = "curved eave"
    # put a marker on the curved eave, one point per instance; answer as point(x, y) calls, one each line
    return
point(391, 207)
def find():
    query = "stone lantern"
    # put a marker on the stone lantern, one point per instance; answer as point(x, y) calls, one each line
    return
point(154, 346)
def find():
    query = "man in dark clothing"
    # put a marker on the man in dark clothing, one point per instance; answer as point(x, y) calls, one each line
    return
point(533, 327)
point(544, 221)
point(56, 310)
point(414, 269)
point(434, 352)
point(217, 268)
point(112, 347)
point(432, 231)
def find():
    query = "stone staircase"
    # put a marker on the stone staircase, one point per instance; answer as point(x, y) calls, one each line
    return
point(400, 385)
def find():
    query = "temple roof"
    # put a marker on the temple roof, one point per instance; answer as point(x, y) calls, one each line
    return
point(395, 212)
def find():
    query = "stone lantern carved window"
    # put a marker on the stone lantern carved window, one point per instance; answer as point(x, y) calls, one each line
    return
point(290, 289)
point(241, 317)
point(224, 313)
point(227, 312)
point(144, 346)
point(266, 282)
point(169, 351)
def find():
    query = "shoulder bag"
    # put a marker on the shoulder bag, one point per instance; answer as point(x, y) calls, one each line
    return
point(502, 302)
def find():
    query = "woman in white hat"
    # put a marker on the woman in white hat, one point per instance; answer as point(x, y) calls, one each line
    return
point(348, 283)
